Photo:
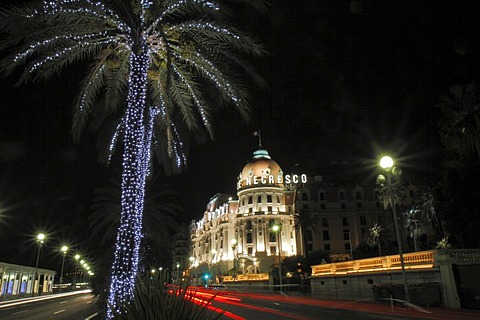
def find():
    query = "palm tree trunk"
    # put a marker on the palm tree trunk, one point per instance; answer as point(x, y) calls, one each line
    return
point(136, 156)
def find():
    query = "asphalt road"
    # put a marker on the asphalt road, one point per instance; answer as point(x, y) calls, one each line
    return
point(251, 306)
point(73, 307)
point(275, 310)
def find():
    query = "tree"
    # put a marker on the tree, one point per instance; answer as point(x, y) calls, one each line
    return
point(460, 123)
point(306, 220)
point(374, 237)
point(425, 202)
point(413, 225)
point(458, 191)
point(165, 62)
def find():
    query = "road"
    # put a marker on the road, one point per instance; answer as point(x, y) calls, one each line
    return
point(78, 306)
point(246, 306)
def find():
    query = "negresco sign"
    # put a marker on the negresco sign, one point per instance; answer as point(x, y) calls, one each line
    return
point(271, 179)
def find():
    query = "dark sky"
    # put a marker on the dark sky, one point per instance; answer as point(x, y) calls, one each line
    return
point(347, 80)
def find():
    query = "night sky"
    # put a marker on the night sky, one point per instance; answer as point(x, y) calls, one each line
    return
point(347, 80)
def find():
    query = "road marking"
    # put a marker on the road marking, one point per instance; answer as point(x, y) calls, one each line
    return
point(63, 302)
point(57, 312)
point(23, 311)
point(9, 308)
point(92, 316)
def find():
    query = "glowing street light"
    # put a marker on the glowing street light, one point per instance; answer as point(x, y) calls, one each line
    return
point(40, 240)
point(178, 270)
point(64, 250)
point(77, 257)
point(389, 188)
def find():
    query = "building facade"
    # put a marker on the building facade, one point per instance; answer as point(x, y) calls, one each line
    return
point(17, 280)
point(236, 235)
point(248, 233)
point(345, 214)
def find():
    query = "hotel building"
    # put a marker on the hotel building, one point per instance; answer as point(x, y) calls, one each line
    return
point(235, 235)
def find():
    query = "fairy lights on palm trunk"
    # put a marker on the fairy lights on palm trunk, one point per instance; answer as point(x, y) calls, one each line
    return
point(137, 141)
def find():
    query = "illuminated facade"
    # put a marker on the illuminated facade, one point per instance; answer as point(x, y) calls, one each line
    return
point(235, 235)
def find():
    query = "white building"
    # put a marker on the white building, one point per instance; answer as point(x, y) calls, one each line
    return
point(235, 235)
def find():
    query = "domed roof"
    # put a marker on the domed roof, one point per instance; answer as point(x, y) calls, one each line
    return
point(261, 170)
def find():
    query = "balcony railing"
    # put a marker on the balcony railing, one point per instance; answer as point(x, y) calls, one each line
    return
point(247, 277)
point(414, 260)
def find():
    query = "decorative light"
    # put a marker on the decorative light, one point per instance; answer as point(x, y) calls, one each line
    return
point(386, 162)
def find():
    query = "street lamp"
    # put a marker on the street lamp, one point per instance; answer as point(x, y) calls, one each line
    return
point(77, 257)
point(234, 244)
point(276, 229)
point(64, 250)
point(388, 187)
point(178, 269)
point(40, 240)
point(214, 254)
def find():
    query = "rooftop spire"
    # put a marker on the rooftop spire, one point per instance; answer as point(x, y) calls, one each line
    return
point(258, 133)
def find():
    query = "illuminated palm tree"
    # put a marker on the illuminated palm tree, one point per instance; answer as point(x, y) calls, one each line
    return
point(165, 61)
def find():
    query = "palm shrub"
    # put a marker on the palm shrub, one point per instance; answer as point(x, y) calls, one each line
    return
point(155, 300)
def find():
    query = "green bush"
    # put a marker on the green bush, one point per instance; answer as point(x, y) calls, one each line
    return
point(155, 300)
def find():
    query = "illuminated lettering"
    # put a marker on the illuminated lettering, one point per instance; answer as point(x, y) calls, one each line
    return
point(271, 179)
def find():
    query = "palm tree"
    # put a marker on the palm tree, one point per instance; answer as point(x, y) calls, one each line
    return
point(165, 62)
point(159, 214)
point(460, 123)
point(425, 202)
point(375, 235)
point(413, 225)
point(305, 220)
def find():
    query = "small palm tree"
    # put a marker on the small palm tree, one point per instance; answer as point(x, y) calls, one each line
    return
point(305, 220)
point(425, 202)
point(161, 62)
point(374, 237)
point(413, 225)
point(157, 301)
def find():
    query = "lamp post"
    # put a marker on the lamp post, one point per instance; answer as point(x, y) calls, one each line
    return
point(40, 240)
point(234, 244)
point(214, 254)
point(276, 228)
point(389, 188)
point(64, 250)
point(178, 269)
point(77, 257)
